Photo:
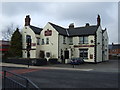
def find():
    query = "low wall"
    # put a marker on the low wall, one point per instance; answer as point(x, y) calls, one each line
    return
point(37, 62)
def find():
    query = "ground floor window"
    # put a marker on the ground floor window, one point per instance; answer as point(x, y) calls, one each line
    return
point(84, 53)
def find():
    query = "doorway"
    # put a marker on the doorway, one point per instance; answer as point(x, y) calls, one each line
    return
point(42, 54)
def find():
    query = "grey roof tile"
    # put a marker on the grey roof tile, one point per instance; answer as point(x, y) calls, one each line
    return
point(60, 29)
point(89, 30)
point(36, 29)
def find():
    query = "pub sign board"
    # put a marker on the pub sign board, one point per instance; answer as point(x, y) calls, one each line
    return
point(48, 32)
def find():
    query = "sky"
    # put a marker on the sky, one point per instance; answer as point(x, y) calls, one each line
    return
point(62, 13)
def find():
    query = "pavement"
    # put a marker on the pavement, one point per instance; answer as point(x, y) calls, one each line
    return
point(109, 66)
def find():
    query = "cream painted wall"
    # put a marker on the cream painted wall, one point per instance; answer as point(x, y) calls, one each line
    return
point(52, 47)
point(99, 44)
point(28, 31)
point(90, 49)
point(105, 46)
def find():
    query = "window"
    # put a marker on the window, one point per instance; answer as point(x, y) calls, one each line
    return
point(47, 40)
point(47, 54)
point(84, 53)
point(71, 40)
point(28, 38)
point(43, 42)
point(38, 41)
point(64, 41)
point(83, 40)
point(28, 41)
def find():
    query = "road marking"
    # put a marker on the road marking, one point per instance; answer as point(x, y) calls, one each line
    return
point(19, 71)
point(73, 69)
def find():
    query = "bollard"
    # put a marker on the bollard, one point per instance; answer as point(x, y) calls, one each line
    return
point(73, 65)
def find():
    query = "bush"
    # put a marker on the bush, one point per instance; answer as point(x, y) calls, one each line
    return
point(40, 61)
point(53, 61)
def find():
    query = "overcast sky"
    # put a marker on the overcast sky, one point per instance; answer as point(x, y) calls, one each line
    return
point(63, 14)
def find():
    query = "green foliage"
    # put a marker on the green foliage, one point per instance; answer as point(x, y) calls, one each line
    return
point(15, 49)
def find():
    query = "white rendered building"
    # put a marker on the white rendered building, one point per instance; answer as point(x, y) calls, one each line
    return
point(89, 42)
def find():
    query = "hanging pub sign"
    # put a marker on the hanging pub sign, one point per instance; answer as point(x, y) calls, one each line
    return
point(48, 32)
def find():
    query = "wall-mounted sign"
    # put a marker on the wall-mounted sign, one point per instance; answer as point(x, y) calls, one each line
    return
point(33, 44)
point(48, 32)
point(77, 46)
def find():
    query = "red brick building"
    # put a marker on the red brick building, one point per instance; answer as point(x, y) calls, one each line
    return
point(4, 45)
point(114, 49)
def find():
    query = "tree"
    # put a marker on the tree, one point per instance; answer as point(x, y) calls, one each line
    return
point(8, 31)
point(15, 49)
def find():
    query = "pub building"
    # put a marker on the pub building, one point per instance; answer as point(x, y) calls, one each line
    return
point(89, 42)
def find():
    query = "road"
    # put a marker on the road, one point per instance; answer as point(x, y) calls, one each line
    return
point(63, 78)
point(73, 79)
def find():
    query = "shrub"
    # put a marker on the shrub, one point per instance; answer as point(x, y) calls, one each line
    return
point(53, 61)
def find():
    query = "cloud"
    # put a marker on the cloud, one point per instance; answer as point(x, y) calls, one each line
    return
point(62, 13)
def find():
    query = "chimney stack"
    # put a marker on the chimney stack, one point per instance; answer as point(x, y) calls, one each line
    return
point(112, 43)
point(27, 20)
point(71, 25)
point(98, 20)
point(87, 25)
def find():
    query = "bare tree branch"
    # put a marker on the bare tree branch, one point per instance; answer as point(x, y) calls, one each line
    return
point(8, 31)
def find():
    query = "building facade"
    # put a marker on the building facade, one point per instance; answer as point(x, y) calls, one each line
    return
point(114, 49)
point(4, 46)
point(89, 42)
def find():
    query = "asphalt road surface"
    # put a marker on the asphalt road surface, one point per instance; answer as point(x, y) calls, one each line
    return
point(45, 78)
point(73, 79)
point(52, 78)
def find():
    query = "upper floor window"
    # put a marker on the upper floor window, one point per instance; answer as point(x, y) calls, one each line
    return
point(64, 40)
point(28, 41)
point(28, 38)
point(71, 40)
point(83, 40)
point(38, 41)
point(47, 40)
point(43, 42)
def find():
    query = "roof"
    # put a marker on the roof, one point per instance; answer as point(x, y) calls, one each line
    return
point(89, 30)
point(60, 29)
point(114, 46)
point(36, 29)
point(78, 31)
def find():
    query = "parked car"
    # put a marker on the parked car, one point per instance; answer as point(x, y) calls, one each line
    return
point(76, 61)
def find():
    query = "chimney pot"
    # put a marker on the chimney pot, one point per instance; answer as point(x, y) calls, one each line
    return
point(87, 24)
point(71, 25)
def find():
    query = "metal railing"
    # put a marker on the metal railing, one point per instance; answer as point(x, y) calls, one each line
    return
point(12, 80)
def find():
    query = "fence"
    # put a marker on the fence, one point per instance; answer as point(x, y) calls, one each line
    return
point(17, 82)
